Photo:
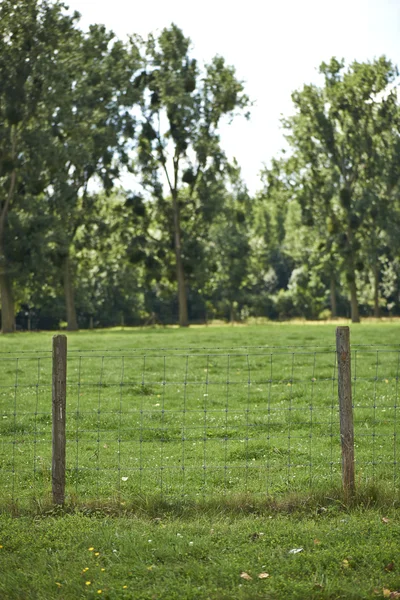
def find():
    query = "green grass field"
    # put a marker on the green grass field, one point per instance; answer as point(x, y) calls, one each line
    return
point(173, 436)
point(238, 410)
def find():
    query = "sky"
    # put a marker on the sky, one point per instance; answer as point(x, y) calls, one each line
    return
point(276, 47)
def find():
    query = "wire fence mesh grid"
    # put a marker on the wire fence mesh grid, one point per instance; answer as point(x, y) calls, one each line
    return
point(196, 424)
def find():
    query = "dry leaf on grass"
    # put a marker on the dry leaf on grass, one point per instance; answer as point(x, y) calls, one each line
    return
point(316, 542)
point(390, 566)
point(385, 520)
point(295, 550)
point(388, 594)
point(245, 576)
point(263, 575)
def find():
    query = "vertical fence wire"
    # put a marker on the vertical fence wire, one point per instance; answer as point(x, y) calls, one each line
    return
point(290, 416)
point(97, 452)
point(311, 418)
point(121, 385)
point(141, 426)
point(354, 366)
point(374, 416)
point(162, 429)
point(15, 428)
point(35, 436)
point(77, 418)
point(331, 420)
point(247, 423)
point(183, 430)
point(268, 485)
point(205, 406)
point(226, 423)
point(396, 401)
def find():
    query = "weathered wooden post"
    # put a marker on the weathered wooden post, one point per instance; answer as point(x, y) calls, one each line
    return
point(345, 408)
point(59, 396)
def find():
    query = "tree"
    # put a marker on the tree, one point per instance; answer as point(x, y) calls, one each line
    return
point(336, 136)
point(90, 129)
point(32, 33)
point(228, 247)
point(178, 142)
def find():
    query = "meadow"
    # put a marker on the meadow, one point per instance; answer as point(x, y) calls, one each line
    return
point(196, 461)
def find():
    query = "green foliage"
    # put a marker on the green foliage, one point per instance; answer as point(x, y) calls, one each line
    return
point(79, 109)
point(182, 107)
point(343, 138)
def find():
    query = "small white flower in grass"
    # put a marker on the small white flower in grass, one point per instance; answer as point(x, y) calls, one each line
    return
point(124, 478)
point(179, 535)
point(149, 541)
point(295, 550)
point(190, 543)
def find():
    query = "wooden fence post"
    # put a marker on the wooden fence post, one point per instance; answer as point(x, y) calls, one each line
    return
point(345, 408)
point(59, 395)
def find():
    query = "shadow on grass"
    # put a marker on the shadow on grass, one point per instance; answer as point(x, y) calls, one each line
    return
point(317, 502)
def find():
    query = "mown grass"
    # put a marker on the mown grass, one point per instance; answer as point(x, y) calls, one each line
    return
point(349, 554)
point(261, 458)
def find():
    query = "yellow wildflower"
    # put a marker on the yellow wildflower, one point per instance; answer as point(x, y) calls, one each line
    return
point(96, 553)
point(88, 583)
point(99, 591)
point(59, 584)
point(91, 549)
point(124, 587)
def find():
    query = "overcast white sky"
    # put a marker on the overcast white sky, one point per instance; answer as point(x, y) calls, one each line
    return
point(275, 45)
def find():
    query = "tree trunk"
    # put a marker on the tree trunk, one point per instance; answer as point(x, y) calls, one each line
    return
point(232, 313)
point(376, 290)
point(69, 296)
point(355, 315)
point(6, 292)
point(333, 298)
point(180, 275)
point(7, 303)
point(351, 279)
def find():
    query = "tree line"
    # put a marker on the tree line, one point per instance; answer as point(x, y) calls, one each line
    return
point(79, 110)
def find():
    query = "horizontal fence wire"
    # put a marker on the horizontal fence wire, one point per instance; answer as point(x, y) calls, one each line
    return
point(196, 423)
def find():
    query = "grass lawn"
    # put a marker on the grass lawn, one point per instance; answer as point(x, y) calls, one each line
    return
point(345, 554)
point(196, 440)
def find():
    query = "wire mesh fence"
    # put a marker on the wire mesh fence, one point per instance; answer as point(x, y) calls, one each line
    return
point(202, 423)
